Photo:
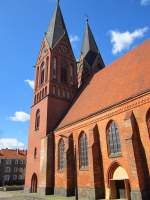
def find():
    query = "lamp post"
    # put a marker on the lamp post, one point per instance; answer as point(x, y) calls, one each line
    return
point(75, 165)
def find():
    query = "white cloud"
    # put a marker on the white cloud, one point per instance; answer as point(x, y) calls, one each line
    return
point(20, 117)
point(145, 2)
point(10, 143)
point(74, 38)
point(123, 40)
point(30, 83)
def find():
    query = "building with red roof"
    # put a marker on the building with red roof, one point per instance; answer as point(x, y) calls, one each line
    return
point(90, 123)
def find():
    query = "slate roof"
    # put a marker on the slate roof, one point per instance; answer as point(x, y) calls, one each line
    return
point(89, 43)
point(89, 50)
point(13, 154)
point(126, 77)
point(57, 28)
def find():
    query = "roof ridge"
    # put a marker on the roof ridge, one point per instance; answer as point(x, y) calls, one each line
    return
point(131, 72)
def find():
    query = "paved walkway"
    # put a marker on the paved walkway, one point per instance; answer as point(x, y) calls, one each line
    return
point(20, 195)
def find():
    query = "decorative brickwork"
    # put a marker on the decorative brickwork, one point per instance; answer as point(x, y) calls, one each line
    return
point(91, 133)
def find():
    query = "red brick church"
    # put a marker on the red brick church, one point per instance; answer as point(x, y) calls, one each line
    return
point(90, 123)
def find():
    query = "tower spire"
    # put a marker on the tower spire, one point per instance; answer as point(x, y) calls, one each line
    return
point(89, 49)
point(57, 28)
point(90, 60)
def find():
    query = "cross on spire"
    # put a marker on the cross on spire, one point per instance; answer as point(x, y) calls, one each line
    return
point(87, 18)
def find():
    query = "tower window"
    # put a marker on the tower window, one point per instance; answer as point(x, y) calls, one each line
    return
point(37, 78)
point(83, 151)
point(35, 153)
point(54, 90)
point(59, 92)
point(64, 93)
point(148, 121)
point(47, 66)
point(37, 120)
point(113, 139)
point(40, 96)
point(68, 95)
point(63, 74)
point(42, 72)
point(54, 70)
point(45, 91)
point(61, 155)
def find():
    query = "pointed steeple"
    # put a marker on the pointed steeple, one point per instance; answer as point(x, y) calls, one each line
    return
point(57, 28)
point(90, 59)
point(89, 50)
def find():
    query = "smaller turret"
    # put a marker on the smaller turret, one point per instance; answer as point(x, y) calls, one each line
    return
point(90, 59)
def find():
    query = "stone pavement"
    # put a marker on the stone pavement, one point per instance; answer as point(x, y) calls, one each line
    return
point(20, 195)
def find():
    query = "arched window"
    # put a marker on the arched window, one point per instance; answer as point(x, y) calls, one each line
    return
point(63, 74)
point(35, 153)
point(42, 72)
point(148, 121)
point(37, 120)
point(54, 71)
point(40, 96)
point(54, 90)
point(47, 66)
point(83, 151)
point(37, 78)
point(61, 155)
point(45, 91)
point(113, 139)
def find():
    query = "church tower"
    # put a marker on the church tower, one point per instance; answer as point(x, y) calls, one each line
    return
point(55, 86)
point(90, 58)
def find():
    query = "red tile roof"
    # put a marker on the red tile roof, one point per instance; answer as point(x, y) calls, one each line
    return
point(13, 153)
point(124, 78)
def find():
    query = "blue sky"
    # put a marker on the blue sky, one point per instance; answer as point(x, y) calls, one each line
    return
point(118, 26)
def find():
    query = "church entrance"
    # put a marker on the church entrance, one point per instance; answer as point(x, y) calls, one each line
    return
point(34, 183)
point(118, 189)
point(119, 184)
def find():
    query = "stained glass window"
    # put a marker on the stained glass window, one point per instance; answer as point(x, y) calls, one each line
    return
point(83, 147)
point(37, 120)
point(61, 155)
point(113, 139)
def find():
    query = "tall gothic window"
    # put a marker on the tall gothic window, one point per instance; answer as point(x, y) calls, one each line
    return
point(148, 121)
point(35, 153)
point(47, 65)
point(37, 120)
point(54, 70)
point(61, 155)
point(37, 77)
point(42, 72)
point(113, 139)
point(83, 151)
point(63, 74)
